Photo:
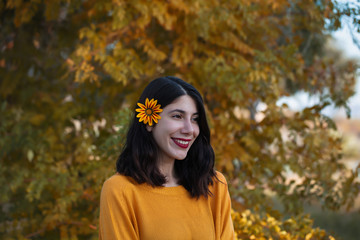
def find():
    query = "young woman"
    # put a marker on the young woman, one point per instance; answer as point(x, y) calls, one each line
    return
point(166, 186)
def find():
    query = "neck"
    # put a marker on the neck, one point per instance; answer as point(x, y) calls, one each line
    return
point(167, 169)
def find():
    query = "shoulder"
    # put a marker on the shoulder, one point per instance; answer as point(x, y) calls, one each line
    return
point(220, 178)
point(117, 184)
point(219, 191)
point(219, 184)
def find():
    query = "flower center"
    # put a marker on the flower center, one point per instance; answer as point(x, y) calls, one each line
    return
point(148, 111)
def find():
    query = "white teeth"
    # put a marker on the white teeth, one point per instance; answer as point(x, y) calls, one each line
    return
point(182, 142)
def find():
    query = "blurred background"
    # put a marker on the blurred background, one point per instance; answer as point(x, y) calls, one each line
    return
point(280, 84)
point(343, 223)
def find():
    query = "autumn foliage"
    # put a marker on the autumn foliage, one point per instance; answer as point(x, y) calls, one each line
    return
point(71, 72)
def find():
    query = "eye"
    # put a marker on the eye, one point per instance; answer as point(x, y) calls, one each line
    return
point(177, 116)
point(195, 119)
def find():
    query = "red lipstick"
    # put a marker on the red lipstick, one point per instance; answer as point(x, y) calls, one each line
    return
point(183, 143)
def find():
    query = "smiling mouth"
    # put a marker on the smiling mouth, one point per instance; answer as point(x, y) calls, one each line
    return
point(181, 142)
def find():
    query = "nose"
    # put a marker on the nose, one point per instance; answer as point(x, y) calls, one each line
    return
point(187, 127)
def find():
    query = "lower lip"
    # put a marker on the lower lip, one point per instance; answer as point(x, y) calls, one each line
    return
point(181, 145)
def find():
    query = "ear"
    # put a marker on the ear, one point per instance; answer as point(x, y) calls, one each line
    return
point(149, 128)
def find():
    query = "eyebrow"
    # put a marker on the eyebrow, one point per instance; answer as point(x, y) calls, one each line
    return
point(182, 111)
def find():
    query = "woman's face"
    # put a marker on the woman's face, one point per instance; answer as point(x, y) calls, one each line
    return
point(177, 129)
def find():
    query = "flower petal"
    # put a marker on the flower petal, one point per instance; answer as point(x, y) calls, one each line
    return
point(153, 105)
point(143, 118)
point(156, 116)
point(140, 115)
point(150, 121)
point(141, 105)
point(155, 120)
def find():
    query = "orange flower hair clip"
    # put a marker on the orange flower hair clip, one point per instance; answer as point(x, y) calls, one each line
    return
point(149, 112)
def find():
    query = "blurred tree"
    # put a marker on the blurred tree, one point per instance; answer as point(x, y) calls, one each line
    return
point(70, 70)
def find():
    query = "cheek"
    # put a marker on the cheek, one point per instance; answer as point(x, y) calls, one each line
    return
point(196, 131)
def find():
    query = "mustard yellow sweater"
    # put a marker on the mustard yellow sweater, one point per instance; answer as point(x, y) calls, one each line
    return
point(138, 211)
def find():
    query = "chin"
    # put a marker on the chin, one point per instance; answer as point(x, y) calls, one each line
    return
point(180, 157)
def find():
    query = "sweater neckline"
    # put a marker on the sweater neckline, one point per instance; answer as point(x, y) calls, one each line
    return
point(176, 190)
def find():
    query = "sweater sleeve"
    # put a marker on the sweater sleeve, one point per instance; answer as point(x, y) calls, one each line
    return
point(117, 220)
point(224, 222)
